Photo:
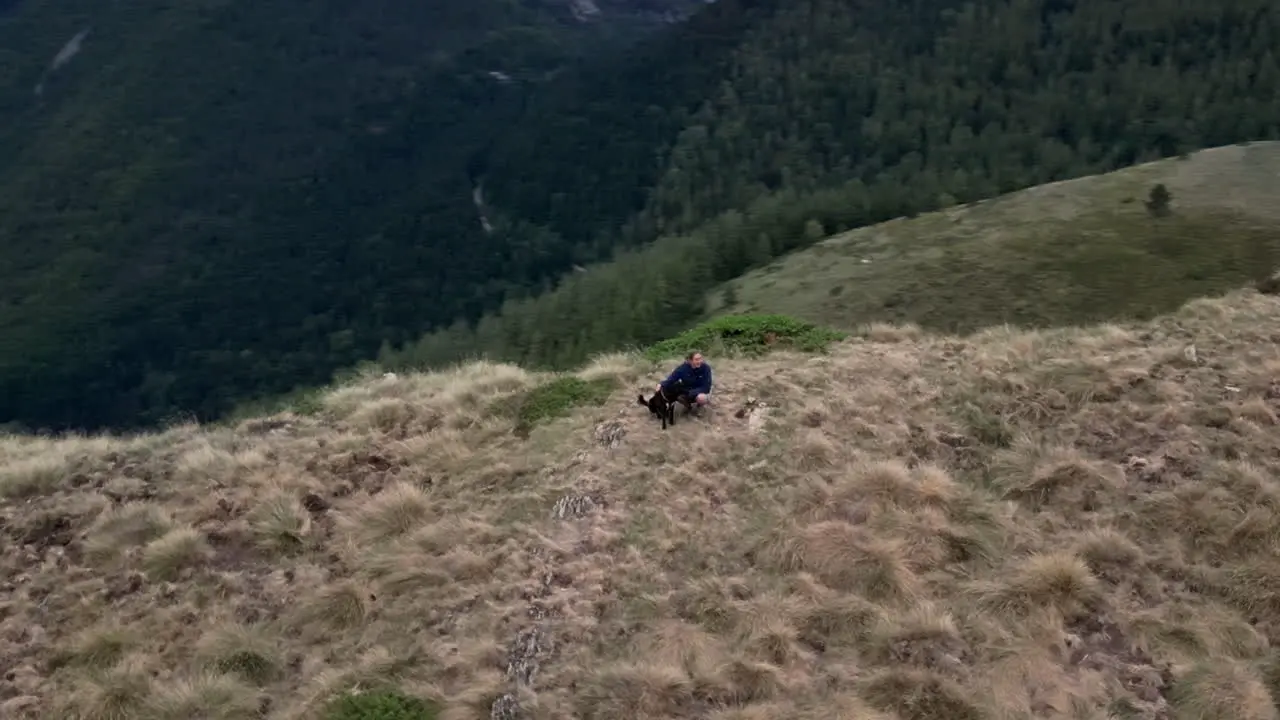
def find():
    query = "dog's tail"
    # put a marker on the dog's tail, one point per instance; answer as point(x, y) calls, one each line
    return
point(640, 399)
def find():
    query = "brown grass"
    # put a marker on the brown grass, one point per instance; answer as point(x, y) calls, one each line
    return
point(1059, 524)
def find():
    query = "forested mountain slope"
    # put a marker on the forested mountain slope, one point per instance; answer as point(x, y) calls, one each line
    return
point(832, 120)
point(1079, 251)
point(216, 197)
point(198, 267)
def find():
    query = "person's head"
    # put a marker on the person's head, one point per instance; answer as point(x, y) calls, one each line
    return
point(694, 358)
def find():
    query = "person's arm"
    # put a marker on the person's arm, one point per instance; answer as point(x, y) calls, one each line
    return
point(705, 385)
point(675, 375)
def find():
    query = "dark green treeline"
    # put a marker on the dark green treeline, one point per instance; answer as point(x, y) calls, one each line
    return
point(187, 279)
point(830, 119)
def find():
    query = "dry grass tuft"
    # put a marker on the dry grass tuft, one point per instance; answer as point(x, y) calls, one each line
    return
point(204, 462)
point(815, 451)
point(405, 571)
point(893, 482)
point(848, 558)
point(915, 694)
point(1110, 554)
point(279, 523)
point(925, 636)
point(117, 694)
point(1038, 476)
point(1056, 524)
point(887, 333)
point(390, 414)
point(216, 697)
point(636, 690)
point(118, 529)
point(752, 681)
point(335, 607)
point(168, 556)
point(841, 621)
point(393, 512)
point(617, 366)
point(686, 646)
point(97, 648)
point(706, 601)
point(242, 651)
point(1222, 690)
point(34, 475)
point(1058, 580)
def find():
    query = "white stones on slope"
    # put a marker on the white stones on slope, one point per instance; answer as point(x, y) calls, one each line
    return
point(533, 644)
point(523, 657)
point(609, 434)
point(756, 412)
point(506, 707)
point(574, 506)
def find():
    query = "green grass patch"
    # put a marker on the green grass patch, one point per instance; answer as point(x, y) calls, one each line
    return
point(986, 425)
point(381, 705)
point(748, 335)
point(249, 665)
point(556, 398)
point(1087, 253)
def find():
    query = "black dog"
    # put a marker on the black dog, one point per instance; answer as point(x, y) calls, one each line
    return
point(662, 406)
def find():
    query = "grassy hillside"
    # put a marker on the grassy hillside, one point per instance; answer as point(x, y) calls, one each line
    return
point(1079, 251)
point(1061, 523)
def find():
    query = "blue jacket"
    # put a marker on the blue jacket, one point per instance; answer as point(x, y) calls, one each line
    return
point(692, 381)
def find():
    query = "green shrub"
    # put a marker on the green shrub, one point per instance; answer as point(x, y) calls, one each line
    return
point(557, 397)
point(746, 335)
point(381, 705)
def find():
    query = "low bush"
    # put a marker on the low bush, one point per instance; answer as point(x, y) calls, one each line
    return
point(381, 705)
point(747, 335)
point(557, 397)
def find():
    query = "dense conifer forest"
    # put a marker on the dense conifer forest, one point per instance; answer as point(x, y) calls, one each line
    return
point(196, 214)
point(829, 120)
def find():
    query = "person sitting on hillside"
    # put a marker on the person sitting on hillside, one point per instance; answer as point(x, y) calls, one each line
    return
point(692, 380)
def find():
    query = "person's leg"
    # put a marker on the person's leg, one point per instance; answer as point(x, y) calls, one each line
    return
point(682, 399)
point(698, 402)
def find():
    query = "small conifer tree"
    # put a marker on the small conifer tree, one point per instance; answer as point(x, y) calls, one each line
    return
point(1158, 201)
